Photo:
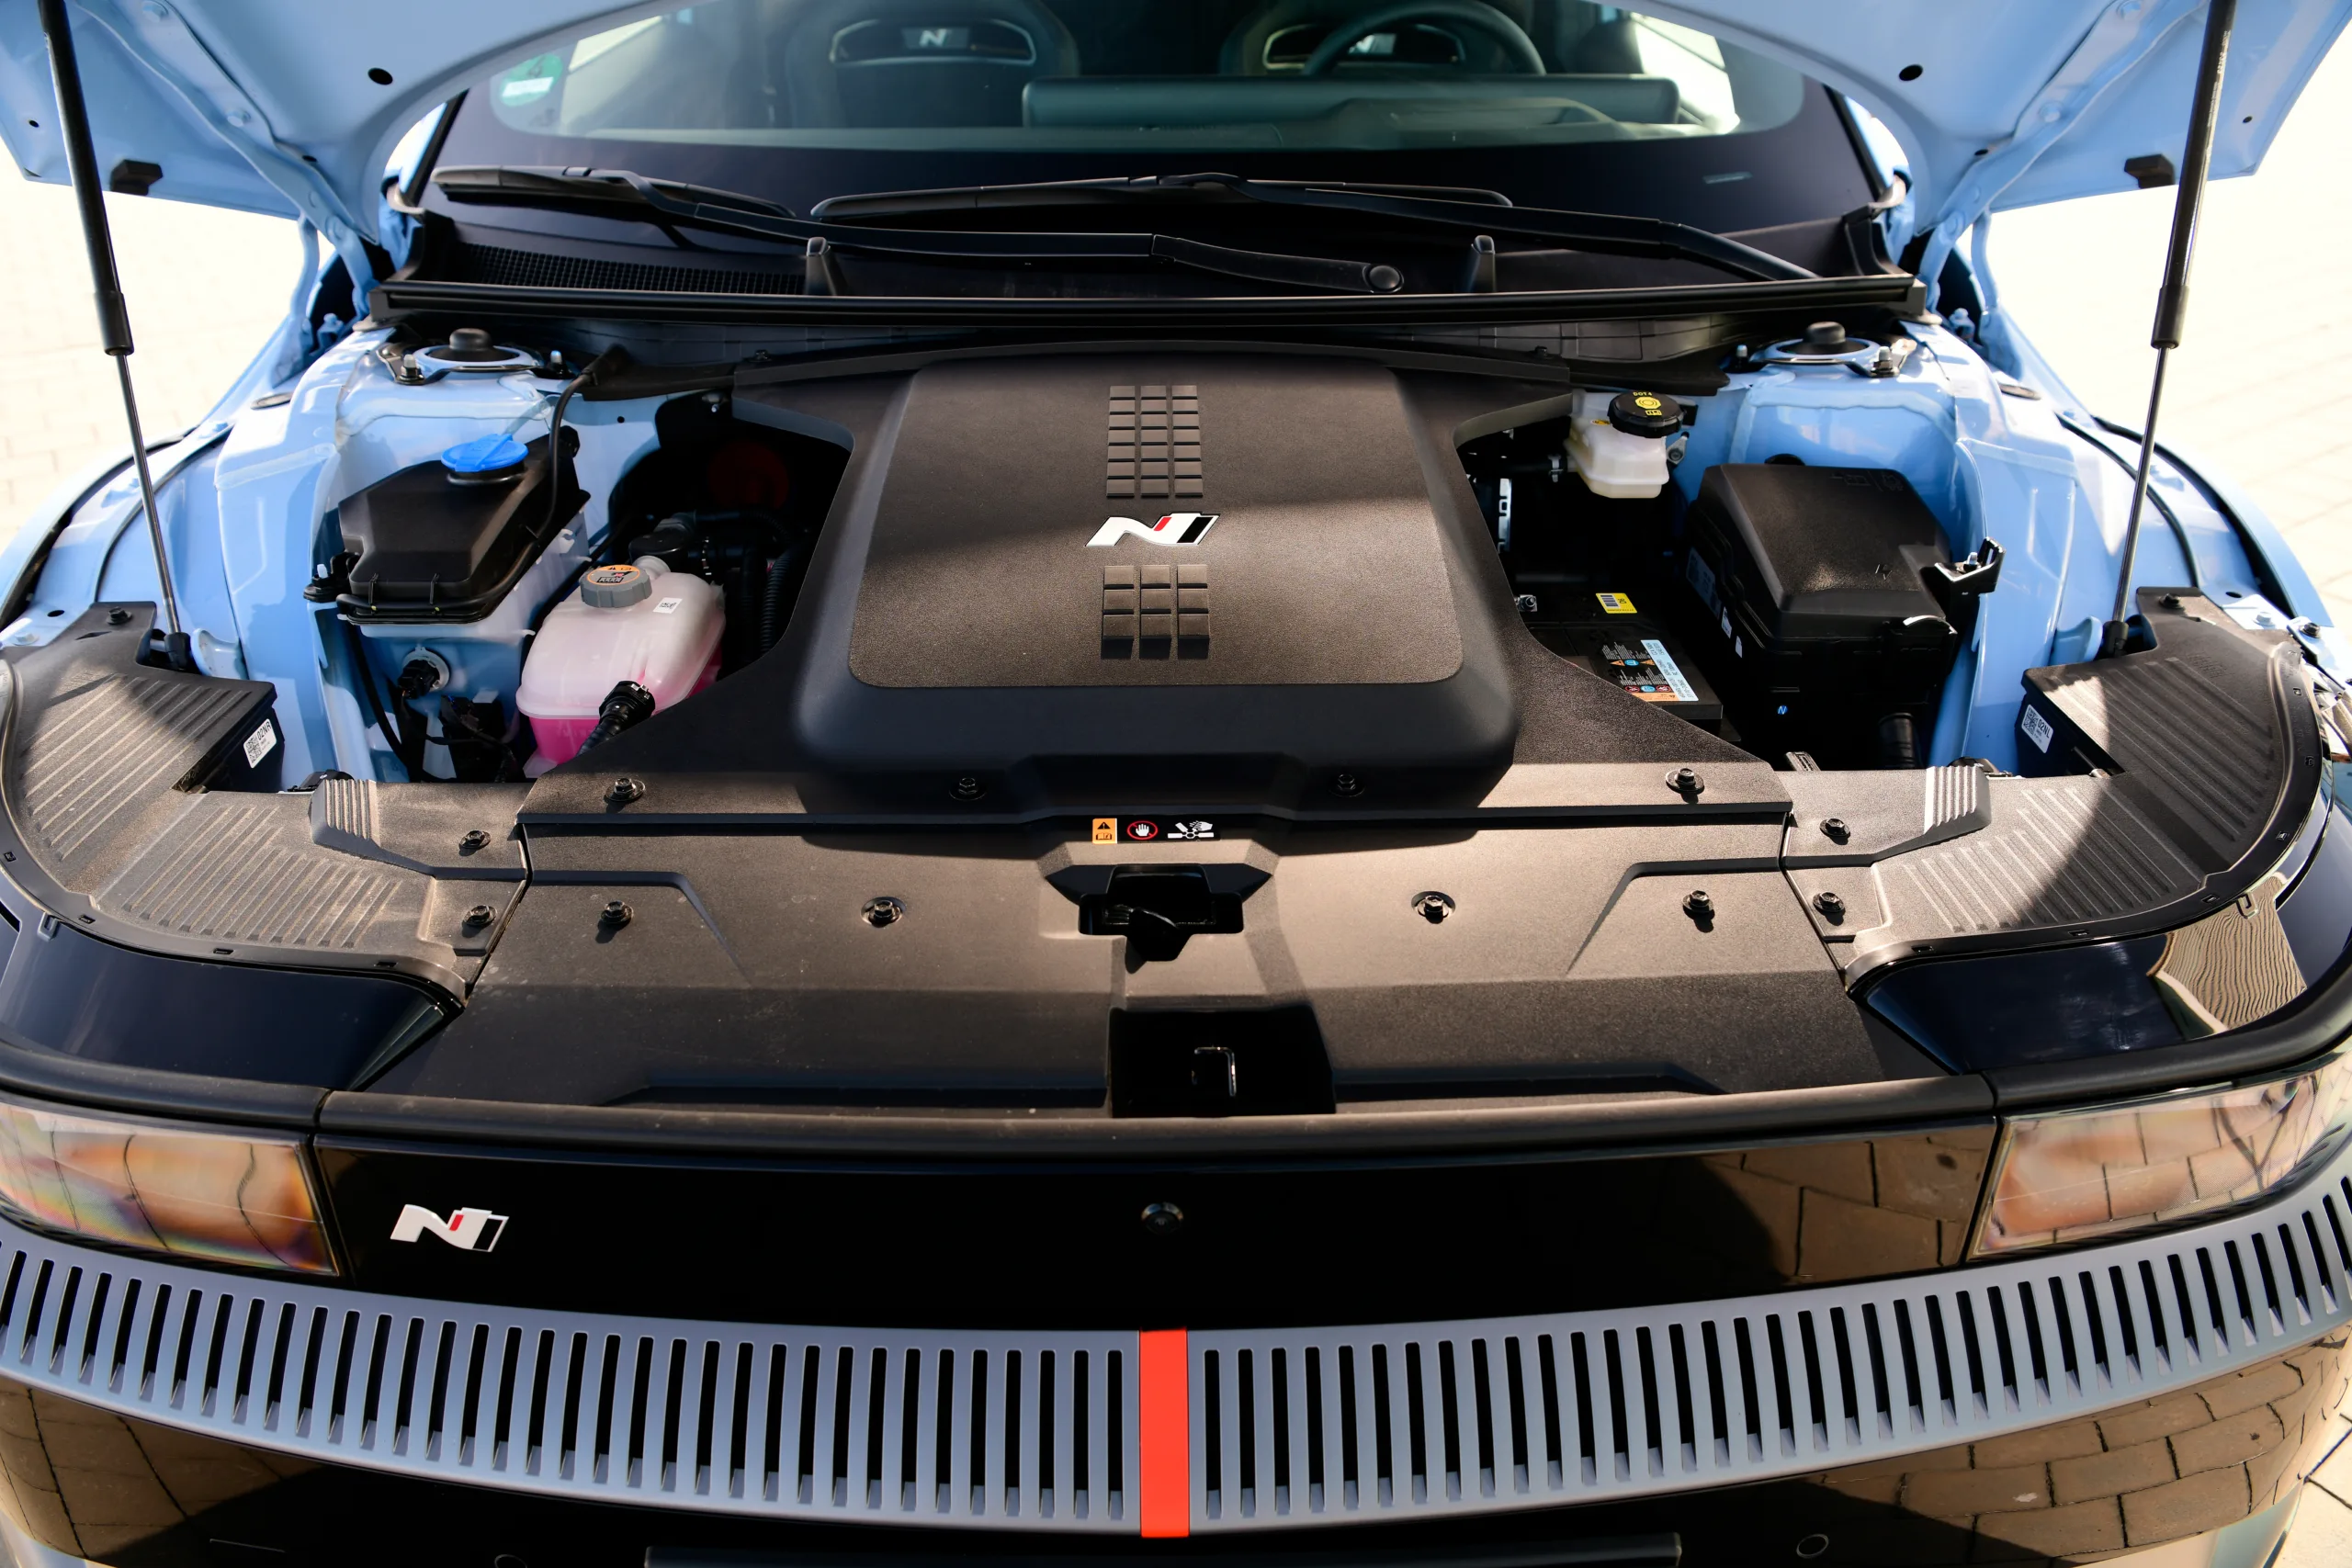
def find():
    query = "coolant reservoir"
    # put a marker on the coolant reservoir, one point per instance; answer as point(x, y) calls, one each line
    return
point(1618, 444)
point(642, 623)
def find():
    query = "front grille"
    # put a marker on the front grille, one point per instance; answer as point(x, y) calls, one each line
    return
point(1302, 1427)
point(467, 263)
point(1031, 1431)
point(1169, 1433)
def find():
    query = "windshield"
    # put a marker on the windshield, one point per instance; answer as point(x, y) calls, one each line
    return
point(1555, 103)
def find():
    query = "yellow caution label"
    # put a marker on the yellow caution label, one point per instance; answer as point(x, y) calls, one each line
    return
point(1106, 829)
point(1648, 402)
point(1615, 603)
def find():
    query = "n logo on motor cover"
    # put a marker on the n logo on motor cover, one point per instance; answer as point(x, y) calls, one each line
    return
point(1175, 528)
point(470, 1230)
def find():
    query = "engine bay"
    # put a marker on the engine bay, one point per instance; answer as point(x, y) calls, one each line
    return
point(1194, 731)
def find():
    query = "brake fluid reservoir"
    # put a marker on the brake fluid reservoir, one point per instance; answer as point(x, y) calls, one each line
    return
point(642, 623)
point(1617, 445)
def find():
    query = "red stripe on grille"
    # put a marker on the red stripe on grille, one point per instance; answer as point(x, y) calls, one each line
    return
point(1164, 1428)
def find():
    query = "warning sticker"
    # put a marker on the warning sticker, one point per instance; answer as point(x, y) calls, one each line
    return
point(1106, 829)
point(2036, 727)
point(1646, 671)
point(1615, 603)
point(260, 743)
point(1143, 832)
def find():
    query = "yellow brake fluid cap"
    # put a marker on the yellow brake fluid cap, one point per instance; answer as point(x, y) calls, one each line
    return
point(1652, 414)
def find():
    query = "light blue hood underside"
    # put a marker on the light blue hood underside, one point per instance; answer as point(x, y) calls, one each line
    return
point(270, 105)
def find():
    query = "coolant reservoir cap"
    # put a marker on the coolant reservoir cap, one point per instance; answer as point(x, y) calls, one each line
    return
point(612, 587)
point(1653, 415)
point(485, 460)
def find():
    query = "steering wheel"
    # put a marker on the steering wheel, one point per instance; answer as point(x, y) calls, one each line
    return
point(1517, 46)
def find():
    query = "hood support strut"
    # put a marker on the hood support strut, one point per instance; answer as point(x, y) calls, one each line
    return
point(114, 311)
point(2172, 299)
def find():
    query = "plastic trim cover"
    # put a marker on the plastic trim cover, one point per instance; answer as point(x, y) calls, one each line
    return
point(1073, 1432)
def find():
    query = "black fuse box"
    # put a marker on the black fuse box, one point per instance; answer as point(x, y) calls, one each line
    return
point(1815, 579)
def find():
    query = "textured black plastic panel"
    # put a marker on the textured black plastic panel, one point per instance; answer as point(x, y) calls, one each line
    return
point(1324, 550)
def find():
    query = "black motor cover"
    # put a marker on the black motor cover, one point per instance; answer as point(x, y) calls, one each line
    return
point(1307, 565)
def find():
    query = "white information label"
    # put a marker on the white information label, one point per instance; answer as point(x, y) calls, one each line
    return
point(668, 607)
point(260, 743)
point(1683, 690)
point(2036, 727)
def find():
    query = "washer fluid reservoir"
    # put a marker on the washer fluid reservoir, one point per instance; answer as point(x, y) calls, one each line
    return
point(642, 623)
point(1617, 445)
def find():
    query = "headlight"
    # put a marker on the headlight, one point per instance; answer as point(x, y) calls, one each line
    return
point(224, 1196)
point(2080, 1174)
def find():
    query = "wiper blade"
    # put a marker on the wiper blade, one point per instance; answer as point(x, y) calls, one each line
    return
point(1116, 191)
point(1463, 211)
point(522, 186)
point(703, 207)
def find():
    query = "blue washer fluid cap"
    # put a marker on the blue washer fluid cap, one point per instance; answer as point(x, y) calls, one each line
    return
point(485, 458)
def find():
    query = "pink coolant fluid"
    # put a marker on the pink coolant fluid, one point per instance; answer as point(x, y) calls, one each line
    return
point(642, 623)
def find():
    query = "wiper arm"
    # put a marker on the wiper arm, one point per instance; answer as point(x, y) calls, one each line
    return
point(1116, 191)
point(1466, 211)
point(703, 207)
point(574, 188)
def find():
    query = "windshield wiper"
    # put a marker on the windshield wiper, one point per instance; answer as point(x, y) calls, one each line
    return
point(669, 202)
point(1463, 211)
point(576, 188)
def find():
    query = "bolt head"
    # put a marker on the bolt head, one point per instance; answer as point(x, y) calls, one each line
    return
point(1432, 906)
point(1162, 1219)
point(1832, 907)
point(479, 916)
point(1834, 829)
point(1685, 782)
point(1347, 783)
point(968, 788)
point(1698, 905)
point(620, 792)
point(615, 915)
point(880, 912)
point(117, 617)
point(475, 840)
point(1526, 603)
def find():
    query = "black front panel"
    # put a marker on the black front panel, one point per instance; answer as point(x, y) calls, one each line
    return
point(1128, 1246)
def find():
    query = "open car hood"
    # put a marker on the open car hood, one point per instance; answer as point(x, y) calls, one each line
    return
point(291, 107)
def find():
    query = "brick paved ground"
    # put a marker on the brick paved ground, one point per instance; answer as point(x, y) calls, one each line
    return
point(2258, 391)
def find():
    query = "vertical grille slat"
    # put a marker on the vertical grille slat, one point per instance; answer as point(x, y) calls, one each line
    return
point(1264, 1437)
point(105, 1306)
